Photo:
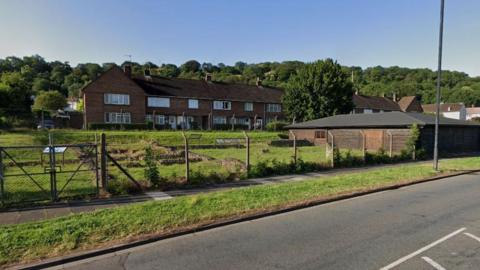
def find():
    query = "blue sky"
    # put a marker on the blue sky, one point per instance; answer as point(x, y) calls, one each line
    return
point(354, 32)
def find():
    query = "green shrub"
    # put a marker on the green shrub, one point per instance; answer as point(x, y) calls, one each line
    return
point(122, 187)
point(151, 169)
point(276, 125)
point(107, 126)
point(229, 127)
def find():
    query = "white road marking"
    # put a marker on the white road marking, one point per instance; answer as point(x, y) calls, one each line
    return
point(425, 248)
point(433, 263)
point(472, 236)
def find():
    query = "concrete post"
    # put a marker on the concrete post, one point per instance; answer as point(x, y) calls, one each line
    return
point(247, 153)
point(187, 162)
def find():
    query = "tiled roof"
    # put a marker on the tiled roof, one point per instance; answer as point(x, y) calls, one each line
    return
point(381, 120)
point(202, 89)
point(372, 102)
point(405, 102)
point(444, 107)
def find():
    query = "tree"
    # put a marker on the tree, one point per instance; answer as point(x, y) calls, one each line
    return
point(190, 66)
point(168, 70)
point(40, 84)
point(318, 90)
point(49, 101)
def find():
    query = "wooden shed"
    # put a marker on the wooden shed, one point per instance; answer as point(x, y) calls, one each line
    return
point(389, 131)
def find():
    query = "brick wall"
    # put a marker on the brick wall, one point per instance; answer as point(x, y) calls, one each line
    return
point(116, 82)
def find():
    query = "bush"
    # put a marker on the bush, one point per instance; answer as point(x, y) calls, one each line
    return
point(151, 169)
point(107, 126)
point(229, 127)
point(122, 187)
point(274, 167)
point(276, 125)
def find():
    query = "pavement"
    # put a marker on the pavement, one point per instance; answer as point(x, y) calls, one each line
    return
point(22, 215)
point(433, 225)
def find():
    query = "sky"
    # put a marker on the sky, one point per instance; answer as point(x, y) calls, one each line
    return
point(354, 32)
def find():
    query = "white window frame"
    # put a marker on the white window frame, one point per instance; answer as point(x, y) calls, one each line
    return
point(222, 105)
point(193, 103)
point(159, 119)
point(219, 120)
point(118, 118)
point(158, 102)
point(274, 107)
point(248, 107)
point(116, 99)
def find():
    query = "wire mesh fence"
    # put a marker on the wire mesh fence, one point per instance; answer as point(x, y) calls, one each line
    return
point(44, 173)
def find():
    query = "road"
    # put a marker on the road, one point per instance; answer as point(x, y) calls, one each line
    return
point(434, 225)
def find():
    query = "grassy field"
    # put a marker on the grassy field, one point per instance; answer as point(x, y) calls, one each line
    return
point(31, 241)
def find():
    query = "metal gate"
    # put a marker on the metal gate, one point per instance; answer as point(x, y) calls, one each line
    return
point(53, 172)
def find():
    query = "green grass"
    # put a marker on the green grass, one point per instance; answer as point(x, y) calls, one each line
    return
point(30, 241)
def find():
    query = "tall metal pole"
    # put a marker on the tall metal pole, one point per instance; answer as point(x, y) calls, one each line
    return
point(439, 73)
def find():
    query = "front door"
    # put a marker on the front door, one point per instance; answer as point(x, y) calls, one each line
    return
point(172, 120)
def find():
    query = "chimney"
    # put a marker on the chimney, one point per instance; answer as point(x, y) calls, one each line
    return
point(146, 72)
point(127, 69)
point(208, 77)
point(258, 82)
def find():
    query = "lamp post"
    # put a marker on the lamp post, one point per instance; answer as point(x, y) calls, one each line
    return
point(437, 100)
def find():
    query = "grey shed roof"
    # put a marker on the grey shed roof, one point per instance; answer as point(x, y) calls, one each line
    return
point(388, 119)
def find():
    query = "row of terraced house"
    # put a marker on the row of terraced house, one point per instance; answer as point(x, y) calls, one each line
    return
point(118, 97)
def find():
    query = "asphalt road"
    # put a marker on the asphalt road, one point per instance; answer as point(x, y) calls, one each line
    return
point(426, 226)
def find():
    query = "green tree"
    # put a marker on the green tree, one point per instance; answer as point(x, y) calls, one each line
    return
point(49, 101)
point(322, 89)
point(190, 66)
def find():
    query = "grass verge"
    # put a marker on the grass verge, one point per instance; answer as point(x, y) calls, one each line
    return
point(33, 241)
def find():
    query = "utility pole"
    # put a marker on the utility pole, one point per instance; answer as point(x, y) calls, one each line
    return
point(439, 73)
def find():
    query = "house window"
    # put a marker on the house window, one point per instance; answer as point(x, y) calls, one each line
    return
point(193, 103)
point(274, 108)
point(320, 134)
point(159, 119)
point(116, 99)
point(118, 118)
point(222, 105)
point(248, 106)
point(219, 120)
point(244, 121)
point(158, 102)
point(367, 111)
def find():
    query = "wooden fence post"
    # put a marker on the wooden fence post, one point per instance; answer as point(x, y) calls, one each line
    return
point(103, 162)
point(247, 153)
point(187, 162)
point(294, 147)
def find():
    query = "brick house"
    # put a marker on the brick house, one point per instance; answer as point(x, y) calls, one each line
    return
point(117, 97)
